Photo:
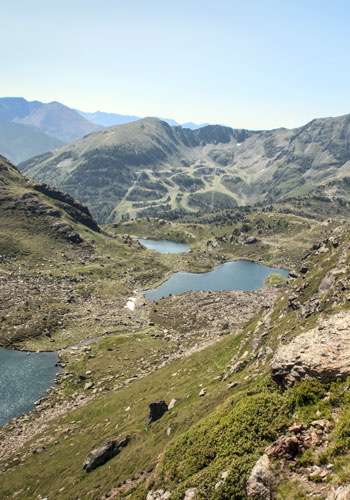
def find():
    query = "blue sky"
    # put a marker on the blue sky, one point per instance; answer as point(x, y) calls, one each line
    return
point(247, 63)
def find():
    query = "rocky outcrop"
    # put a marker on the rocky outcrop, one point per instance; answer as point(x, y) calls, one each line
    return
point(158, 495)
point(156, 411)
point(101, 455)
point(67, 232)
point(285, 447)
point(78, 211)
point(341, 493)
point(322, 352)
point(260, 480)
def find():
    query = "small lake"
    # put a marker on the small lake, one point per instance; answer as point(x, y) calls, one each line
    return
point(238, 275)
point(23, 380)
point(164, 246)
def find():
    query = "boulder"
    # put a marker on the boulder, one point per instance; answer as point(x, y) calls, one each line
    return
point(190, 493)
point(260, 480)
point(156, 411)
point(239, 366)
point(101, 455)
point(322, 352)
point(158, 495)
point(172, 404)
point(251, 240)
point(285, 447)
point(340, 493)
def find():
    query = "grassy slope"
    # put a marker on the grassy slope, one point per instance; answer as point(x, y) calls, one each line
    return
point(231, 426)
point(233, 438)
point(109, 269)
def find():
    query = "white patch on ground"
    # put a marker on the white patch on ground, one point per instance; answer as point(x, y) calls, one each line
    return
point(131, 303)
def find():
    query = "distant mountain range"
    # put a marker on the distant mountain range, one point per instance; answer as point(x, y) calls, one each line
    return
point(42, 127)
point(110, 119)
point(30, 128)
point(52, 118)
point(19, 142)
point(147, 167)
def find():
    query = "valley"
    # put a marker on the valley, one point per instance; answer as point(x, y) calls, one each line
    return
point(207, 352)
point(175, 251)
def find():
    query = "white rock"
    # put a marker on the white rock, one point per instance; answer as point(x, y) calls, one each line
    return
point(341, 493)
point(172, 404)
point(190, 494)
point(260, 480)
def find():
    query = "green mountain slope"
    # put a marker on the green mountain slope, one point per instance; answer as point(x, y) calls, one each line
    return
point(147, 167)
point(20, 142)
point(140, 164)
point(199, 349)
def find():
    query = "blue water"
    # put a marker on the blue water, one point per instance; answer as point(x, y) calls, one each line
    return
point(23, 380)
point(165, 246)
point(238, 275)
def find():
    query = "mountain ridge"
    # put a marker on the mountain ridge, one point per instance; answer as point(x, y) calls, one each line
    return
point(20, 142)
point(106, 119)
point(52, 118)
point(147, 167)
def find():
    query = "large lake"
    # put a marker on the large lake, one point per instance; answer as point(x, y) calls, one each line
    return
point(165, 246)
point(23, 379)
point(238, 275)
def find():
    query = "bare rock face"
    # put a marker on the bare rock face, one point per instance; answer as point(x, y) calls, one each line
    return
point(77, 210)
point(284, 447)
point(341, 493)
point(158, 495)
point(156, 411)
point(322, 352)
point(260, 480)
point(101, 455)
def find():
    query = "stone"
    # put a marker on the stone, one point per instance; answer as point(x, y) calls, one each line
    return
point(172, 404)
point(259, 484)
point(202, 393)
point(39, 450)
point(296, 428)
point(231, 385)
point(88, 385)
point(326, 282)
point(224, 476)
point(156, 411)
point(239, 366)
point(251, 240)
point(158, 495)
point(340, 493)
point(284, 447)
point(101, 455)
point(190, 494)
point(322, 352)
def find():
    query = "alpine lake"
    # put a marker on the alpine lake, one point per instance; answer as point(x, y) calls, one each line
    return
point(24, 377)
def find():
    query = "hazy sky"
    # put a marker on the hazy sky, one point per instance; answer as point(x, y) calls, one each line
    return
point(243, 63)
